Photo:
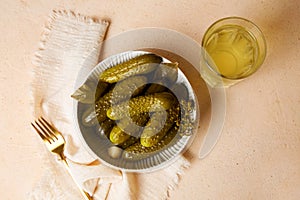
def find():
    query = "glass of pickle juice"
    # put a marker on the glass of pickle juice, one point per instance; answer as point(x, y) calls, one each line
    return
point(233, 49)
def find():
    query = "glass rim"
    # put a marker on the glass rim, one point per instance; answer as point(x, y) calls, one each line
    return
point(241, 19)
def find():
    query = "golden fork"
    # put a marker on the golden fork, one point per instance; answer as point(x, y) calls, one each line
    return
point(55, 143)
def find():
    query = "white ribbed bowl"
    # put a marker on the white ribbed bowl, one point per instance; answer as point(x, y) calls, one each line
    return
point(98, 146)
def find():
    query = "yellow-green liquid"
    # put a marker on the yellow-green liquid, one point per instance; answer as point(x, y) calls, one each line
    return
point(233, 51)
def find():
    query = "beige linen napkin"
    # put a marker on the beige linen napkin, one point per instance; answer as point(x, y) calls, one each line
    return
point(71, 43)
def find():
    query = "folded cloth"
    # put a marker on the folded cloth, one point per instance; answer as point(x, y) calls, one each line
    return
point(72, 43)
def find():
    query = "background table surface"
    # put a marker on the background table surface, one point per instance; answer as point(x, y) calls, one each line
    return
point(258, 154)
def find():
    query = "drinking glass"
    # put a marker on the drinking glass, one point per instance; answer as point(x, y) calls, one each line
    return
point(233, 49)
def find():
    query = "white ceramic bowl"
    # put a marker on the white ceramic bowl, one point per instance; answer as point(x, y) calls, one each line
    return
point(98, 146)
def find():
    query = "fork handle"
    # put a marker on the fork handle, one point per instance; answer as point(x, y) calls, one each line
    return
point(85, 195)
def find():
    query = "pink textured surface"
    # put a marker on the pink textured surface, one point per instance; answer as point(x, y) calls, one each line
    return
point(258, 154)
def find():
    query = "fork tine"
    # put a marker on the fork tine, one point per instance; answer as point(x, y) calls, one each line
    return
point(49, 127)
point(48, 130)
point(39, 132)
point(44, 130)
point(48, 124)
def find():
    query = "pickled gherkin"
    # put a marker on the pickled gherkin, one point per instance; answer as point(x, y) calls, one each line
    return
point(98, 113)
point(117, 136)
point(164, 76)
point(128, 129)
point(155, 88)
point(157, 128)
point(137, 150)
point(102, 87)
point(105, 127)
point(139, 65)
point(117, 93)
point(128, 88)
point(133, 125)
point(142, 104)
point(101, 107)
